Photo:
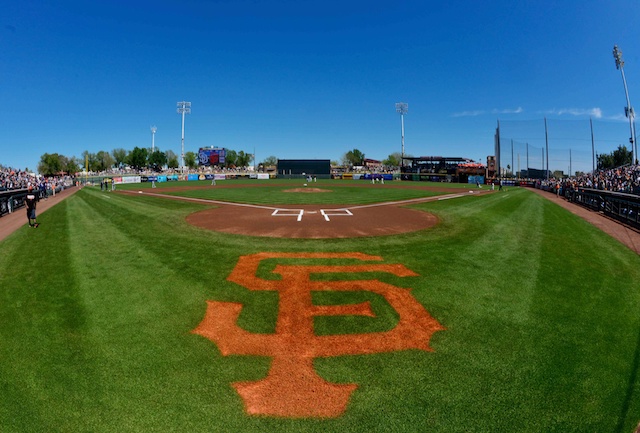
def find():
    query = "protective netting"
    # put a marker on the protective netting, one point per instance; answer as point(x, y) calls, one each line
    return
point(573, 145)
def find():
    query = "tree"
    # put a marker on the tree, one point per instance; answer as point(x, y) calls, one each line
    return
point(393, 160)
point(355, 157)
point(157, 160)
point(231, 158)
point(604, 161)
point(119, 156)
point(344, 162)
point(137, 159)
point(104, 161)
point(89, 161)
point(190, 160)
point(70, 165)
point(270, 161)
point(619, 157)
point(243, 159)
point(622, 156)
point(50, 164)
point(172, 159)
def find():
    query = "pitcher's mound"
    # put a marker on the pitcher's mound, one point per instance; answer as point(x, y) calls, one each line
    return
point(307, 190)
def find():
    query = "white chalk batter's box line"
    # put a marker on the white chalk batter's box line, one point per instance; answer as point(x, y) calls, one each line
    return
point(299, 213)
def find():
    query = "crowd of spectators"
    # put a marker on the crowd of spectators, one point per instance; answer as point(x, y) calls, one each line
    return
point(13, 179)
point(622, 179)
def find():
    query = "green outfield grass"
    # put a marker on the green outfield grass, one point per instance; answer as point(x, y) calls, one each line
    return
point(541, 310)
point(277, 191)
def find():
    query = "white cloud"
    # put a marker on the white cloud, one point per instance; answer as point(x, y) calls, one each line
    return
point(593, 112)
point(474, 113)
point(508, 110)
point(469, 113)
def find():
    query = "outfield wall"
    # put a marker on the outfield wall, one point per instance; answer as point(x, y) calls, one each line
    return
point(161, 178)
point(313, 167)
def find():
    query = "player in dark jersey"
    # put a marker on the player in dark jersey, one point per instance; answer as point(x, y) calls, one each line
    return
point(31, 209)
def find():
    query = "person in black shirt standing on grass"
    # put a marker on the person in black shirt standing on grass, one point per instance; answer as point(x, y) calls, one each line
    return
point(31, 208)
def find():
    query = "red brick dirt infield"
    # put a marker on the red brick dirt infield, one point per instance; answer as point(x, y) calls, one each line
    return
point(313, 222)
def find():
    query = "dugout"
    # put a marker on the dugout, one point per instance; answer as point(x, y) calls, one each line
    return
point(288, 168)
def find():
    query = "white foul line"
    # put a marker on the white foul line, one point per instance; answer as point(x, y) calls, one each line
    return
point(300, 212)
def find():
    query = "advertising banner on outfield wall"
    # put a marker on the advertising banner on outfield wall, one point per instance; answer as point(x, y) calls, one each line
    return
point(369, 176)
point(215, 176)
point(127, 179)
point(192, 177)
point(476, 180)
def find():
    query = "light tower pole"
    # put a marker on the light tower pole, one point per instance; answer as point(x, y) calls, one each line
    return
point(628, 110)
point(183, 108)
point(402, 108)
point(153, 138)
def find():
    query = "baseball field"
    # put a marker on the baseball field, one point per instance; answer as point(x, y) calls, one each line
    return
point(336, 306)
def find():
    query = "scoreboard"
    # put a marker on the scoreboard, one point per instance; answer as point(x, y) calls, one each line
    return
point(211, 156)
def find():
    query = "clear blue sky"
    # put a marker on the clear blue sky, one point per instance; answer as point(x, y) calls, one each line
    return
point(308, 79)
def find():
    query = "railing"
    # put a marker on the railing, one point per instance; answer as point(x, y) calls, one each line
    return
point(14, 199)
point(622, 207)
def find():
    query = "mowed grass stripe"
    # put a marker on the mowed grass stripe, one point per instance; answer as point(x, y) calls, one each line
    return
point(502, 304)
point(41, 318)
point(145, 311)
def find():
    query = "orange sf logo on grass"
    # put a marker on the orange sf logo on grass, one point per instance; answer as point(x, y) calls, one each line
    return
point(292, 388)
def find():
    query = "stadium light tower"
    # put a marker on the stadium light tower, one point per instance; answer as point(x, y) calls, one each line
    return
point(183, 108)
point(628, 110)
point(153, 138)
point(402, 108)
